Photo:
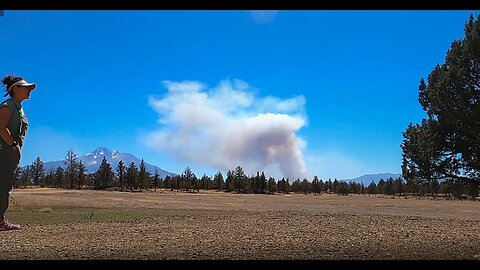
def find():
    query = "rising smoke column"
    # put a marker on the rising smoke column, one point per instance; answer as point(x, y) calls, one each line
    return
point(228, 125)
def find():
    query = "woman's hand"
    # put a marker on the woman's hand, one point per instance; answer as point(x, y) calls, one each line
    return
point(15, 153)
point(16, 147)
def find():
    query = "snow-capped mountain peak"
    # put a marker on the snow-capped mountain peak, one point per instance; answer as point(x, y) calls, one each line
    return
point(93, 160)
point(100, 152)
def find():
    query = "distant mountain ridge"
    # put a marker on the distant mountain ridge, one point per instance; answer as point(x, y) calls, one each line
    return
point(93, 160)
point(369, 178)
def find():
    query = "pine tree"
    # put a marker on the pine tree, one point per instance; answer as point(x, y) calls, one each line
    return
point(446, 187)
point(305, 186)
point(334, 185)
point(263, 183)
point(49, 179)
point(435, 187)
point(256, 183)
point(342, 188)
point(156, 177)
point(315, 185)
point(388, 190)
point(372, 188)
point(17, 178)
point(381, 186)
point(398, 186)
point(229, 181)
point(351, 186)
point(281, 185)
point(71, 162)
point(458, 189)
point(23, 177)
point(271, 185)
point(218, 179)
point(104, 176)
point(473, 190)
point(188, 178)
point(446, 145)
point(143, 175)
point(131, 176)
point(322, 185)
point(329, 185)
point(206, 182)
point(38, 171)
point(239, 180)
point(195, 183)
point(167, 183)
point(59, 177)
point(82, 178)
point(177, 181)
point(121, 173)
point(249, 184)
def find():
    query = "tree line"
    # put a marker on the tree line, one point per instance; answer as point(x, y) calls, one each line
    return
point(131, 178)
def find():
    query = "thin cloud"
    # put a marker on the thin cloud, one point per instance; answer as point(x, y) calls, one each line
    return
point(263, 16)
point(228, 125)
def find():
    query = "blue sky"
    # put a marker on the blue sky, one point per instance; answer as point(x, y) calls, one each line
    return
point(328, 91)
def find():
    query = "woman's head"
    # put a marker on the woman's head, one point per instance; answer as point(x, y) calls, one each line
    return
point(17, 87)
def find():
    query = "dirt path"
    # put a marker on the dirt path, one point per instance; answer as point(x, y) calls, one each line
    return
point(211, 225)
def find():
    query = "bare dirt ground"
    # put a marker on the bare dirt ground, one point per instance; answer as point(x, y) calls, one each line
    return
point(88, 224)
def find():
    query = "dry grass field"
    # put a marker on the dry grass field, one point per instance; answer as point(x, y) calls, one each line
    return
point(89, 224)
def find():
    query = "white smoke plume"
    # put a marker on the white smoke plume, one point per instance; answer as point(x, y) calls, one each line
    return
point(228, 125)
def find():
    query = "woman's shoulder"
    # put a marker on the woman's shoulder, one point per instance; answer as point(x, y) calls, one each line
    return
point(7, 103)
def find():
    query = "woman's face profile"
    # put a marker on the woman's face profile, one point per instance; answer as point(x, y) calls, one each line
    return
point(23, 92)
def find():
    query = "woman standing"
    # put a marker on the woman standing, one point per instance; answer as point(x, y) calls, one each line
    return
point(13, 127)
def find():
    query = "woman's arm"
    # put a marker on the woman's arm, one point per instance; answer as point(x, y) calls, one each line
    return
point(5, 115)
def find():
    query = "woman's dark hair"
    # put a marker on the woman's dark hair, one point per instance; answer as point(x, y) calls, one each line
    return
point(9, 80)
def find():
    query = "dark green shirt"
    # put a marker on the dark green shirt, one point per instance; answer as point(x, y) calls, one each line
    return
point(18, 124)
